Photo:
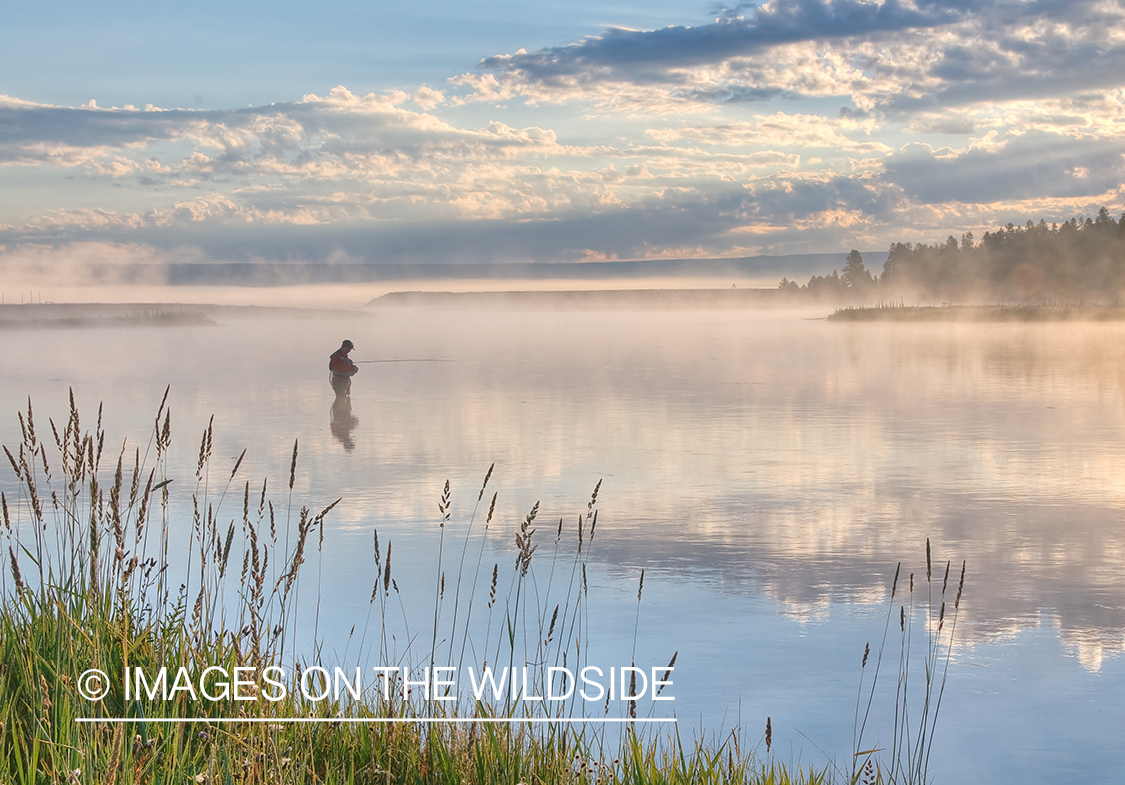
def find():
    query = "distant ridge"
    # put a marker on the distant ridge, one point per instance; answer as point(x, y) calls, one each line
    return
point(798, 267)
point(275, 274)
point(596, 299)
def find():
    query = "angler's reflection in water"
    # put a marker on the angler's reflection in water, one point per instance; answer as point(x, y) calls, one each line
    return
point(343, 423)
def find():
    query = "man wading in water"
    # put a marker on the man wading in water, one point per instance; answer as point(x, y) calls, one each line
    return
point(343, 369)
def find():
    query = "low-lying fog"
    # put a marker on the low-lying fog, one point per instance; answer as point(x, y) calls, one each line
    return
point(747, 440)
point(747, 456)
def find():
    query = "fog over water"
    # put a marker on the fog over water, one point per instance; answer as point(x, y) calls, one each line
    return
point(768, 470)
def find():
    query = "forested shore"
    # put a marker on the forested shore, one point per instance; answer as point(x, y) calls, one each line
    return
point(1076, 261)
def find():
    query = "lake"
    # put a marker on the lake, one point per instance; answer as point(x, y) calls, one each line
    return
point(766, 469)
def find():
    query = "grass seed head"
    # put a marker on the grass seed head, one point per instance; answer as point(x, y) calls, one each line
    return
point(293, 466)
point(387, 571)
point(484, 485)
point(667, 673)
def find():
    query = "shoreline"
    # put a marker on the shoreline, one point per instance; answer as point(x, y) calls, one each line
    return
point(980, 313)
point(151, 314)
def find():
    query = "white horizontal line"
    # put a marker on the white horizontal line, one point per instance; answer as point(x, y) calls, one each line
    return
point(371, 720)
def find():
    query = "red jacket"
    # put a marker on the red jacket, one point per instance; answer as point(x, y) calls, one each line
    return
point(341, 364)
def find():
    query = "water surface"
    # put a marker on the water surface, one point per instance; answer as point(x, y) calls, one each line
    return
point(767, 470)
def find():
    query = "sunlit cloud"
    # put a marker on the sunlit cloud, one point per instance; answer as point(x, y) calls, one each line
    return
point(789, 126)
point(1030, 164)
point(806, 132)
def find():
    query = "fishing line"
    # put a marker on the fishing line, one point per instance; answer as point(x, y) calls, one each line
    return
point(435, 360)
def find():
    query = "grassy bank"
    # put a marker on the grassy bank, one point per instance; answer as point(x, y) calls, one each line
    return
point(89, 585)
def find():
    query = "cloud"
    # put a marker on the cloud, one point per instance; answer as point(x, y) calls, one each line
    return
point(1018, 51)
point(348, 158)
point(545, 215)
point(793, 125)
point(899, 58)
point(34, 133)
point(222, 230)
point(339, 124)
point(789, 199)
point(735, 94)
point(1031, 165)
point(427, 98)
point(781, 130)
point(628, 55)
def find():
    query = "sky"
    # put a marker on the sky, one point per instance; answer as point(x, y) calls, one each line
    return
point(566, 131)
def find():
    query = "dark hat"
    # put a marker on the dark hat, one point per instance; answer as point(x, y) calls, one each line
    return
point(347, 345)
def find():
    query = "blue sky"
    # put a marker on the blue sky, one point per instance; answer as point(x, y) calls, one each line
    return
point(447, 132)
point(221, 55)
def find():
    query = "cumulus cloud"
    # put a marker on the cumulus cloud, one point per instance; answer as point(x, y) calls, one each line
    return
point(222, 231)
point(292, 136)
point(1011, 51)
point(1030, 165)
point(427, 98)
point(35, 133)
point(789, 199)
point(794, 125)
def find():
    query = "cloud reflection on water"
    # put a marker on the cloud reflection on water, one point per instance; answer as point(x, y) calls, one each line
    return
point(749, 452)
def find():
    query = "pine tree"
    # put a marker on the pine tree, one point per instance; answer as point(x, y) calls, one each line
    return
point(855, 274)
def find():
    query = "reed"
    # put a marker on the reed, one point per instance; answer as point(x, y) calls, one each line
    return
point(916, 708)
point(90, 583)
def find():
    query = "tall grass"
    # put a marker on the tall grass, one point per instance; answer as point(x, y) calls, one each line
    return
point(916, 706)
point(91, 550)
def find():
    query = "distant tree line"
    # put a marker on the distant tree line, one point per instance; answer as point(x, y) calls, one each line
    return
point(1077, 260)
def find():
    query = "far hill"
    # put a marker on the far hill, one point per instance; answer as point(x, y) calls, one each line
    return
point(756, 268)
point(272, 274)
point(598, 299)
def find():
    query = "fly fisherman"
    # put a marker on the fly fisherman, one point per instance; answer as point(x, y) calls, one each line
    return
point(343, 369)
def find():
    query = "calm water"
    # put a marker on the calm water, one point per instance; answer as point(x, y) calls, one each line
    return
point(767, 470)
